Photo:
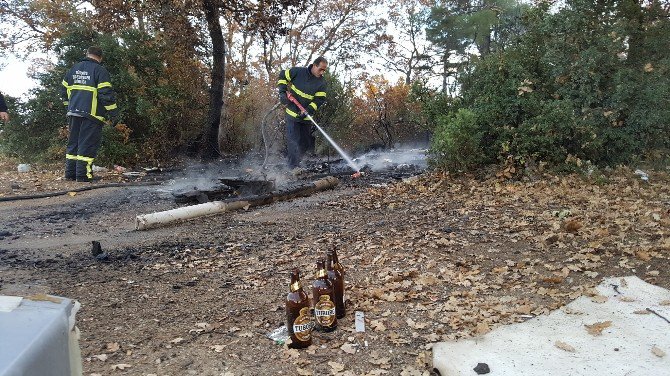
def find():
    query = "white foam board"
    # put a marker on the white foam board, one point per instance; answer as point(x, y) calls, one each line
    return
point(624, 348)
point(9, 303)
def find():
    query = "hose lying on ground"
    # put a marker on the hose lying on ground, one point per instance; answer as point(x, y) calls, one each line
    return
point(265, 142)
point(80, 189)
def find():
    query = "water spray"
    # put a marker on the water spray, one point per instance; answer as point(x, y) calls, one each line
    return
point(344, 155)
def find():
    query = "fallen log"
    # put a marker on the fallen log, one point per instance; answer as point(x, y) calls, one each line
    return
point(158, 219)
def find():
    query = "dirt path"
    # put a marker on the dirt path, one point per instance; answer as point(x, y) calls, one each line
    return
point(432, 259)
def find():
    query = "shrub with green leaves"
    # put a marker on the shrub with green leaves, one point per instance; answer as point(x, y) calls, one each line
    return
point(457, 143)
point(590, 81)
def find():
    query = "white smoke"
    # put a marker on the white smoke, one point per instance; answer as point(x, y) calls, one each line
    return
point(384, 160)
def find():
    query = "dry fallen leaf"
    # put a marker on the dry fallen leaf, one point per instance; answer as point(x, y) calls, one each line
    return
point(564, 346)
point(177, 340)
point(377, 325)
point(658, 352)
point(348, 348)
point(432, 337)
point(597, 328)
point(554, 279)
point(643, 255)
point(218, 348)
point(121, 366)
point(337, 367)
point(113, 347)
point(572, 226)
point(101, 357)
point(591, 274)
point(414, 325)
point(380, 361)
point(599, 299)
point(482, 328)
point(291, 353)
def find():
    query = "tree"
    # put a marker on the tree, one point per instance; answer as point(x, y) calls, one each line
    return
point(461, 29)
point(34, 25)
point(338, 29)
point(405, 49)
point(262, 16)
point(384, 113)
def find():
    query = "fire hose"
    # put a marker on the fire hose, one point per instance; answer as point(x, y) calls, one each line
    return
point(265, 141)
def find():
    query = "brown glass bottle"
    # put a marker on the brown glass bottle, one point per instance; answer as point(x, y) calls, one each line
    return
point(324, 300)
point(336, 263)
point(298, 317)
point(336, 278)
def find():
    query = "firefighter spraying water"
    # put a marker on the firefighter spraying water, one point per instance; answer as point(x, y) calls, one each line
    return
point(330, 140)
point(303, 90)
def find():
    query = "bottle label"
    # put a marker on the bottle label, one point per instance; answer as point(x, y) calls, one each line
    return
point(324, 311)
point(303, 325)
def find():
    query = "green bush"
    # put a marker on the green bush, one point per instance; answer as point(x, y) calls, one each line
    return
point(36, 131)
point(434, 106)
point(457, 142)
point(551, 135)
point(591, 82)
point(115, 149)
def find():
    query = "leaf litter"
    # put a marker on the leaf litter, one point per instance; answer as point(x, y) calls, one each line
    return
point(432, 259)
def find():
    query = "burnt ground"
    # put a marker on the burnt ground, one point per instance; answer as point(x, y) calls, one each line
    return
point(428, 259)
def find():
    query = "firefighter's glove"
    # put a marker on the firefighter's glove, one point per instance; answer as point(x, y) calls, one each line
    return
point(284, 99)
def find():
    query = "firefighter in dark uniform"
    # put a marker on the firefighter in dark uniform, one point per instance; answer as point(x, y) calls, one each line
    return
point(308, 86)
point(87, 92)
point(4, 116)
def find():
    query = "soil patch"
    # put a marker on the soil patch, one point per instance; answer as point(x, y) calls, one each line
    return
point(428, 259)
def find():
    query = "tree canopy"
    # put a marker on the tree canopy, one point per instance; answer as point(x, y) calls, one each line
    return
point(491, 80)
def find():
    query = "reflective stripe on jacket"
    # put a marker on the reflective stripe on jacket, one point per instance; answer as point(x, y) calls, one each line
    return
point(304, 86)
point(87, 91)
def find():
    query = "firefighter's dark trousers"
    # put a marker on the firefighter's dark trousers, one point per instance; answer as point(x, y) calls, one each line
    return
point(297, 140)
point(82, 147)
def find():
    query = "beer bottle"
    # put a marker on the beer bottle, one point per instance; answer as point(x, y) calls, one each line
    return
point(336, 278)
point(322, 294)
point(336, 263)
point(298, 317)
